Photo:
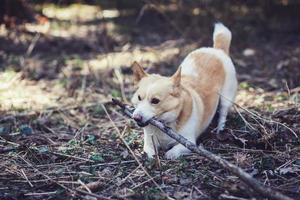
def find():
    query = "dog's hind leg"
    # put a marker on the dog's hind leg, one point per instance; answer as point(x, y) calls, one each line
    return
point(227, 97)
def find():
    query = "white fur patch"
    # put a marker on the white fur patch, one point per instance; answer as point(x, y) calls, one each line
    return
point(190, 129)
point(188, 67)
point(168, 116)
point(221, 29)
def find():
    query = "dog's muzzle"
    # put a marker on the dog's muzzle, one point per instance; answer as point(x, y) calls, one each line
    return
point(139, 120)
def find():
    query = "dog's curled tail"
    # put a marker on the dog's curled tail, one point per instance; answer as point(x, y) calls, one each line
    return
point(222, 37)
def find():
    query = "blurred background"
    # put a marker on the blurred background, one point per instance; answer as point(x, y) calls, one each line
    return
point(65, 52)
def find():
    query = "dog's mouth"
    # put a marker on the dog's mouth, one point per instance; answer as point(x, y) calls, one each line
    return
point(142, 124)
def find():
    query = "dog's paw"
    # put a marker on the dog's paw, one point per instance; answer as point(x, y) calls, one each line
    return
point(145, 157)
point(176, 152)
point(220, 128)
point(149, 152)
point(172, 155)
point(221, 135)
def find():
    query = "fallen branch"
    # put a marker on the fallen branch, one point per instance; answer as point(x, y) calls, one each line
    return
point(247, 178)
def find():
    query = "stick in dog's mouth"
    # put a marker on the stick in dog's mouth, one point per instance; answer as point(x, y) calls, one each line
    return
point(142, 124)
point(130, 109)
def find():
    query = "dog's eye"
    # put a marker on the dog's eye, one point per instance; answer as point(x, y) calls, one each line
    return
point(155, 101)
point(139, 97)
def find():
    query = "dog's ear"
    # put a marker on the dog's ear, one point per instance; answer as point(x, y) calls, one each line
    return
point(138, 71)
point(176, 78)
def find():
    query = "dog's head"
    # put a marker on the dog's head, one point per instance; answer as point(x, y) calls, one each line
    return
point(156, 96)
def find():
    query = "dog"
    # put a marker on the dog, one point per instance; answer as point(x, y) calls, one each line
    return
point(188, 100)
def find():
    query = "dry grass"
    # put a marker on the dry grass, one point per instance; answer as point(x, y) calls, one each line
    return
point(57, 158)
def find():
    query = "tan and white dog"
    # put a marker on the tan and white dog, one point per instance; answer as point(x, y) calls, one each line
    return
point(188, 100)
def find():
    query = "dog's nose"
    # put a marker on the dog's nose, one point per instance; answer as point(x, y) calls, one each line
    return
point(137, 117)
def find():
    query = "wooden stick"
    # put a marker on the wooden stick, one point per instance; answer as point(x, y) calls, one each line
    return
point(247, 178)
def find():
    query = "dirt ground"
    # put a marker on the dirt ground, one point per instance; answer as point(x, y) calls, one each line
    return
point(59, 74)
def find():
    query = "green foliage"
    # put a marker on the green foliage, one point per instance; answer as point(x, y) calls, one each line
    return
point(70, 147)
point(91, 139)
point(73, 143)
point(297, 162)
point(281, 97)
point(296, 98)
point(77, 63)
point(153, 194)
point(131, 137)
point(244, 85)
point(25, 129)
point(183, 164)
point(115, 93)
point(97, 157)
point(7, 75)
point(43, 149)
point(63, 82)
point(270, 108)
point(296, 141)
point(4, 130)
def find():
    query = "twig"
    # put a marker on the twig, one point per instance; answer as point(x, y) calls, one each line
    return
point(247, 178)
point(32, 44)
point(92, 194)
point(245, 121)
point(85, 186)
point(156, 152)
point(128, 176)
point(146, 181)
point(7, 149)
point(226, 196)
point(70, 156)
point(253, 115)
point(61, 185)
point(266, 120)
point(296, 89)
point(108, 164)
point(40, 193)
point(28, 181)
point(132, 153)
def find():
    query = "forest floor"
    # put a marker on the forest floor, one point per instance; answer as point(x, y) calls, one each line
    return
point(58, 76)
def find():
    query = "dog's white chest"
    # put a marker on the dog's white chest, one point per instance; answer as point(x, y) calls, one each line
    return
point(191, 128)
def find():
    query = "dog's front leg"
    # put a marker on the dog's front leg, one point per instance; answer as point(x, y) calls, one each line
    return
point(149, 147)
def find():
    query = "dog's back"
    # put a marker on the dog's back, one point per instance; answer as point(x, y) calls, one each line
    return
point(211, 73)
